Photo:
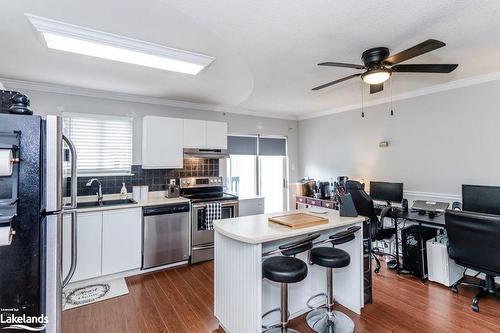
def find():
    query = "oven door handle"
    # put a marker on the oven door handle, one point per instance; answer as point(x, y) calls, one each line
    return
point(203, 247)
point(223, 204)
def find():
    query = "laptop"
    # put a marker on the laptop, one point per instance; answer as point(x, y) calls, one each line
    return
point(430, 206)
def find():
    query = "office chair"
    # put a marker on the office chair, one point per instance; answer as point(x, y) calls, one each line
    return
point(473, 243)
point(364, 205)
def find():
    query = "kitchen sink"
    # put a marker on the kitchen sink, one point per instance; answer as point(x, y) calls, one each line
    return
point(105, 203)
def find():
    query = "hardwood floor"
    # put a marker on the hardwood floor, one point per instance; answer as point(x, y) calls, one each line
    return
point(181, 300)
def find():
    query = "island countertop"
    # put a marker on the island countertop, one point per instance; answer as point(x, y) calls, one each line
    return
point(256, 229)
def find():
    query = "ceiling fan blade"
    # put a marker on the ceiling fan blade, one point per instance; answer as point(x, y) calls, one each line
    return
point(335, 82)
point(415, 51)
point(425, 68)
point(375, 88)
point(341, 64)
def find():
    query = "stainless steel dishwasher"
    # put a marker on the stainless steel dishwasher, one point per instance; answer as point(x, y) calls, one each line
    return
point(165, 234)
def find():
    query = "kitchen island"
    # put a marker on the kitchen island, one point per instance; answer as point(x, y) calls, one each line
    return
point(242, 296)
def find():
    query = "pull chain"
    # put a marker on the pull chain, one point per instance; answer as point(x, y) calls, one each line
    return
point(362, 102)
point(392, 110)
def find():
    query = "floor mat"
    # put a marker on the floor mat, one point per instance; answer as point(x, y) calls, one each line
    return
point(83, 293)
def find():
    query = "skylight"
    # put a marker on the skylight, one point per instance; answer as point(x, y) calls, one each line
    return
point(75, 39)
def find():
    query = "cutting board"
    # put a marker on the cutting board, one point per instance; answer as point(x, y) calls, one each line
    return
point(298, 220)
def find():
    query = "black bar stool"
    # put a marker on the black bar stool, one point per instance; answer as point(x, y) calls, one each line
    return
point(286, 269)
point(324, 318)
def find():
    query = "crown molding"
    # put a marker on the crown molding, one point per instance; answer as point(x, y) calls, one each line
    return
point(94, 93)
point(470, 81)
point(71, 90)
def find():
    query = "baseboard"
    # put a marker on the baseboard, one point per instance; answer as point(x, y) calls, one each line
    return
point(132, 272)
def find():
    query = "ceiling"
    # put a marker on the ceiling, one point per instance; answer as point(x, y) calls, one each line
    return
point(266, 51)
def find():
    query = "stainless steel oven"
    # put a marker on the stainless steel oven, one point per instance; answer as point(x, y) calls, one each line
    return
point(201, 191)
point(203, 239)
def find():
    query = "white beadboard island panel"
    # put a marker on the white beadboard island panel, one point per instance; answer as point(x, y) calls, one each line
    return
point(238, 285)
point(242, 296)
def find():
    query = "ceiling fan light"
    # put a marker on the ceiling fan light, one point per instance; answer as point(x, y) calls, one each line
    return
point(376, 76)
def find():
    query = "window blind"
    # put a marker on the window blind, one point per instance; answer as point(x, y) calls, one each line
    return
point(242, 145)
point(272, 146)
point(103, 143)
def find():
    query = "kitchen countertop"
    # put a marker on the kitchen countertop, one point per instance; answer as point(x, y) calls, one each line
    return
point(257, 229)
point(154, 199)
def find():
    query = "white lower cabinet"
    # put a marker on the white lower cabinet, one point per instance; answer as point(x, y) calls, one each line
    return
point(108, 242)
point(88, 262)
point(121, 240)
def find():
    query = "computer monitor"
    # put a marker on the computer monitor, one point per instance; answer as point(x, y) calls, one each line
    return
point(481, 199)
point(384, 191)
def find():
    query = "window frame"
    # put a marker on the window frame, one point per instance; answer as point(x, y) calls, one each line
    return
point(258, 185)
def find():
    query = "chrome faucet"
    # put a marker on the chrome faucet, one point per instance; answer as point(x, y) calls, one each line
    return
point(99, 192)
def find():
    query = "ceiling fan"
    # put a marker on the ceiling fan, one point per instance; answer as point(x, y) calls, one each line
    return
point(377, 60)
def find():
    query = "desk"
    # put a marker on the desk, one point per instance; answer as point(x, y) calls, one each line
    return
point(437, 221)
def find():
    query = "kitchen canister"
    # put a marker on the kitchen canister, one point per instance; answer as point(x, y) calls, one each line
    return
point(136, 193)
point(144, 192)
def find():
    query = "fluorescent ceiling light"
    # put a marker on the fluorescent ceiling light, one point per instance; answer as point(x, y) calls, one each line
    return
point(71, 38)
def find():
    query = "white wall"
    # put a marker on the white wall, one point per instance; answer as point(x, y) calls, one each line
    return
point(437, 141)
point(44, 103)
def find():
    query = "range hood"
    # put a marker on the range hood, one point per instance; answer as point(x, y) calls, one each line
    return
point(205, 153)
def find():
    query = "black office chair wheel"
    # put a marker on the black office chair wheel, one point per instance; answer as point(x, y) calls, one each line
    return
point(454, 289)
point(475, 306)
point(377, 261)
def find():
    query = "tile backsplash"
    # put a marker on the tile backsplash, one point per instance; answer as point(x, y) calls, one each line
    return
point(156, 179)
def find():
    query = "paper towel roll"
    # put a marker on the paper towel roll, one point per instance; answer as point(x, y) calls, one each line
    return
point(5, 236)
point(6, 160)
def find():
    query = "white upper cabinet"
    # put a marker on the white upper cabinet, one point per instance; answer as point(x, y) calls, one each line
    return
point(216, 135)
point(205, 134)
point(195, 132)
point(162, 143)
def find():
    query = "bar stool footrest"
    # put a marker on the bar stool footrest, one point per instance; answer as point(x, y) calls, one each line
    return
point(313, 298)
point(269, 327)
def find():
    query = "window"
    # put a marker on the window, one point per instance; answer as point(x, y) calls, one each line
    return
point(242, 174)
point(103, 143)
point(258, 166)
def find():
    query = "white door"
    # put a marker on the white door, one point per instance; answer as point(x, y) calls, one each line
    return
point(162, 142)
point(216, 135)
point(121, 240)
point(89, 231)
point(273, 183)
point(195, 132)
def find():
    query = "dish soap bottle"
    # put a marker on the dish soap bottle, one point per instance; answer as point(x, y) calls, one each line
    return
point(123, 192)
